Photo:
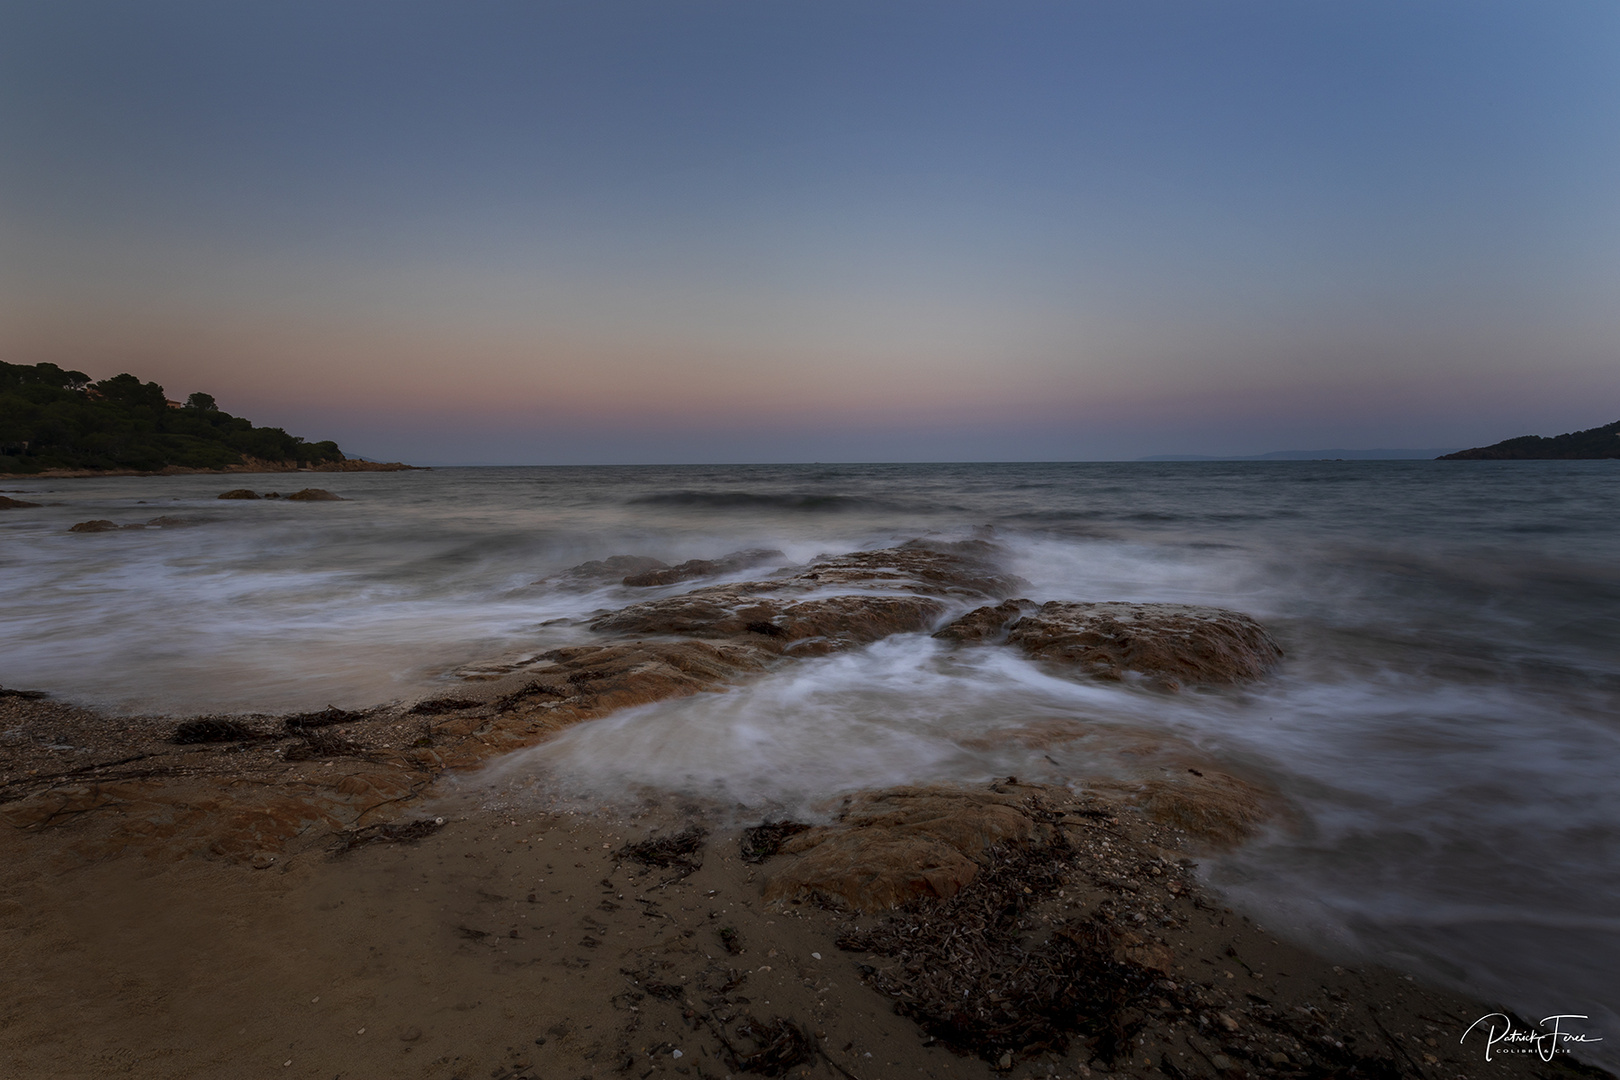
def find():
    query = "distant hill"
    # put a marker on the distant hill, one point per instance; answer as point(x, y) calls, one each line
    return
point(1598, 442)
point(51, 419)
point(1312, 455)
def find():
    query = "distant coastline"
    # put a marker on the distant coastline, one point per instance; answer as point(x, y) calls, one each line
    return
point(1593, 444)
point(248, 466)
point(1313, 455)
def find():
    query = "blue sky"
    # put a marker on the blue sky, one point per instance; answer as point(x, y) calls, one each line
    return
point(528, 232)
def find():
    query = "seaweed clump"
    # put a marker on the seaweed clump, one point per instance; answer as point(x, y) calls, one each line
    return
point(969, 974)
point(398, 832)
point(193, 732)
point(674, 850)
point(765, 839)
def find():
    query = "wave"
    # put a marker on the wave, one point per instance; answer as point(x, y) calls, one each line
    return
point(743, 500)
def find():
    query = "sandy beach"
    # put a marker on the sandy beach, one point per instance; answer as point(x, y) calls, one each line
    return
point(508, 943)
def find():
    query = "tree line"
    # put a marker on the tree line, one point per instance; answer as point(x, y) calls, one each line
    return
point(56, 419)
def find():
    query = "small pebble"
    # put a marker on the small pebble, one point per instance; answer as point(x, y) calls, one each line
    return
point(673, 1053)
point(815, 956)
point(1221, 1062)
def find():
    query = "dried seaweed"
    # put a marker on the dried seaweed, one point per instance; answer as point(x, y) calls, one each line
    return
point(323, 744)
point(397, 832)
point(765, 839)
point(440, 705)
point(212, 731)
point(673, 850)
point(779, 1045)
point(325, 718)
point(970, 974)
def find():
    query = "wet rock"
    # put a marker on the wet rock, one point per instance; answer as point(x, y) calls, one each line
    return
point(602, 571)
point(1170, 643)
point(167, 522)
point(806, 628)
point(894, 846)
point(697, 568)
point(7, 503)
point(988, 625)
point(593, 679)
point(1215, 807)
point(239, 493)
point(98, 525)
point(315, 495)
point(963, 568)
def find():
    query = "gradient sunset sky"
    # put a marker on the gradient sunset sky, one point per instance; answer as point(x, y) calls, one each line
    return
point(529, 232)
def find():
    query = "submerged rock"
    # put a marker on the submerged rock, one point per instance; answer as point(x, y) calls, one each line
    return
point(98, 525)
point(7, 503)
point(696, 568)
point(239, 493)
point(602, 571)
point(1171, 643)
point(316, 495)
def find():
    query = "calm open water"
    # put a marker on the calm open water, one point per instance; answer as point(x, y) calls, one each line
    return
point(1447, 719)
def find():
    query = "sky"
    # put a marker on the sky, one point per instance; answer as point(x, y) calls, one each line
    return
point(527, 232)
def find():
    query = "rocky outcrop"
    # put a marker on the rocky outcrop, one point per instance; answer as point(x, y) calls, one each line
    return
point(315, 495)
point(891, 847)
point(887, 848)
point(1171, 644)
point(965, 568)
point(802, 628)
point(598, 572)
point(7, 503)
point(103, 525)
point(239, 493)
point(894, 590)
point(699, 568)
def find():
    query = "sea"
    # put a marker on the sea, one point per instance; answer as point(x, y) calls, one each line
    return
point(1445, 726)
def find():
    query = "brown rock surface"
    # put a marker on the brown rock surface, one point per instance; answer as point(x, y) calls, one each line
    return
point(891, 847)
point(1171, 643)
point(696, 568)
point(963, 568)
point(806, 628)
point(316, 495)
point(8, 503)
point(601, 571)
point(98, 525)
point(239, 493)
